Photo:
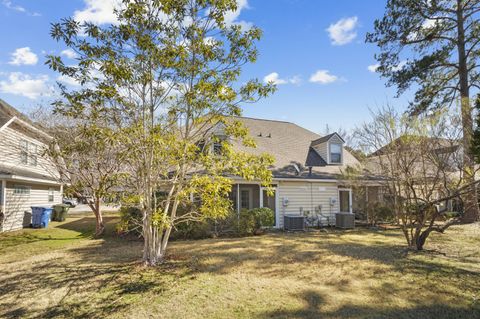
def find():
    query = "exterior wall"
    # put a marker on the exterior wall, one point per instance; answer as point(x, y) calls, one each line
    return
point(17, 204)
point(322, 150)
point(308, 196)
point(10, 149)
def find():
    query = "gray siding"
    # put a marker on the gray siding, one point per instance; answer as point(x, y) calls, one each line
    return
point(17, 204)
point(322, 149)
point(308, 196)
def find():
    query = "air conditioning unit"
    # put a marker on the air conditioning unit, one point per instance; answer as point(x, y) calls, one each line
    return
point(293, 222)
point(344, 220)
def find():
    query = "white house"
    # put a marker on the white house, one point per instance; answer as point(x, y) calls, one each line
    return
point(307, 174)
point(27, 177)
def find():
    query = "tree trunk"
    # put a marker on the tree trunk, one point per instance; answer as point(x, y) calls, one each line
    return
point(470, 198)
point(99, 225)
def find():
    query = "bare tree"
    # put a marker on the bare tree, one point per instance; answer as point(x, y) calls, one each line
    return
point(421, 162)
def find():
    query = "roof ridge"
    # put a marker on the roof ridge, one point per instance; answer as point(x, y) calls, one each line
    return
point(259, 119)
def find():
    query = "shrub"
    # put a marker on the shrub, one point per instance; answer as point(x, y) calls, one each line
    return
point(252, 221)
point(380, 212)
point(130, 221)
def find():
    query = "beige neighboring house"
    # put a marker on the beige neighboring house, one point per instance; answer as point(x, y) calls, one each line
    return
point(307, 174)
point(27, 178)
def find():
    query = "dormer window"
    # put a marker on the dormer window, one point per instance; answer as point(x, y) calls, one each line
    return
point(335, 153)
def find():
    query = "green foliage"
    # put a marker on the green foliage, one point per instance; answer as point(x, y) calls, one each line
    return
point(130, 221)
point(164, 77)
point(252, 221)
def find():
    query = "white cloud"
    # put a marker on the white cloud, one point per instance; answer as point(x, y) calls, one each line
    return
point(23, 56)
point(25, 85)
point(373, 68)
point(69, 53)
point(98, 11)
point(274, 77)
point(65, 79)
point(323, 77)
point(232, 16)
point(399, 66)
point(343, 31)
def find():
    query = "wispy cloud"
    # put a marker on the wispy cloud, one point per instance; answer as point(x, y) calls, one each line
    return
point(274, 78)
point(69, 53)
point(15, 7)
point(323, 77)
point(343, 31)
point(23, 56)
point(231, 17)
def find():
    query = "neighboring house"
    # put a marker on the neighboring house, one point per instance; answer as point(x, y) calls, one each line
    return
point(27, 177)
point(307, 174)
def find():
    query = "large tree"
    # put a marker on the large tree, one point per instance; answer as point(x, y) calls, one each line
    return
point(432, 47)
point(168, 75)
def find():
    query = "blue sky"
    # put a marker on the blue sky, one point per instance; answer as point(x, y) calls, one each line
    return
point(313, 49)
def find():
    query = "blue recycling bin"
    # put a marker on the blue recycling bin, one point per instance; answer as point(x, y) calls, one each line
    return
point(41, 216)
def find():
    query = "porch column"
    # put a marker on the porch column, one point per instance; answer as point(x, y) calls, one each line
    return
point(260, 198)
point(238, 200)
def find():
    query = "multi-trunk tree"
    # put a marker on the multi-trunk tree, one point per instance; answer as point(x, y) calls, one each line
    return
point(432, 47)
point(167, 78)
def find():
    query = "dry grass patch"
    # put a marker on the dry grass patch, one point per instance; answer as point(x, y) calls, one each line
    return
point(63, 272)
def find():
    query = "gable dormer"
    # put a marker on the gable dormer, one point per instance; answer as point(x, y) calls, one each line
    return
point(330, 148)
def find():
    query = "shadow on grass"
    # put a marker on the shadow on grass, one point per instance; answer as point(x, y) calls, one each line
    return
point(314, 308)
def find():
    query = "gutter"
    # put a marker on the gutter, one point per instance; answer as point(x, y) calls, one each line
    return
point(28, 179)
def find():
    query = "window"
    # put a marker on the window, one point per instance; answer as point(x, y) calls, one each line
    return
point(51, 194)
point(245, 199)
point(336, 153)
point(28, 153)
point(217, 148)
point(33, 154)
point(24, 152)
point(21, 190)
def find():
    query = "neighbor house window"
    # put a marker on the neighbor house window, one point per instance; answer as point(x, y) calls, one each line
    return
point(336, 153)
point(21, 190)
point(28, 153)
point(51, 194)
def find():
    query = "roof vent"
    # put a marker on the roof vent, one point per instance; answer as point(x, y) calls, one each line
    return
point(297, 169)
point(260, 134)
point(269, 135)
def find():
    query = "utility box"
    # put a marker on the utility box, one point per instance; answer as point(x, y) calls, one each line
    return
point(345, 220)
point(293, 222)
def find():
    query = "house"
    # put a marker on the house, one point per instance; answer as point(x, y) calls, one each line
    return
point(308, 174)
point(27, 177)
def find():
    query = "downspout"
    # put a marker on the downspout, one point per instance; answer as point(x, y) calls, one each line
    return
point(3, 207)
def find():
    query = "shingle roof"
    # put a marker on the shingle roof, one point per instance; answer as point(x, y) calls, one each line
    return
point(7, 112)
point(325, 138)
point(290, 144)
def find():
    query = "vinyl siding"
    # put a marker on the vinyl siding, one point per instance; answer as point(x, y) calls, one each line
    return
point(308, 196)
point(322, 150)
point(17, 204)
point(10, 149)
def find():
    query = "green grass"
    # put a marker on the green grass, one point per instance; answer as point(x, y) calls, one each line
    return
point(62, 272)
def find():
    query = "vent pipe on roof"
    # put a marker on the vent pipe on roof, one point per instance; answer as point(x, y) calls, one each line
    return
point(269, 135)
point(260, 134)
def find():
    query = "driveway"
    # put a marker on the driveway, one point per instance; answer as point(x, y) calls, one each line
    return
point(83, 208)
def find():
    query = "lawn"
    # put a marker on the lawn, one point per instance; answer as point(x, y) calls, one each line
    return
point(62, 272)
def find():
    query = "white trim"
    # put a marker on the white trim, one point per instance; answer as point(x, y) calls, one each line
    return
point(28, 179)
point(349, 190)
point(8, 123)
